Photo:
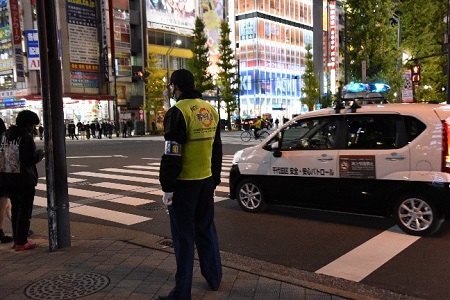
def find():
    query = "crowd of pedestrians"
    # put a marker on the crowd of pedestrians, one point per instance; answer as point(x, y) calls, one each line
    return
point(98, 130)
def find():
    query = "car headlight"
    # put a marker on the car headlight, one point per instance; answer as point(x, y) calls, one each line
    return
point(237, 157)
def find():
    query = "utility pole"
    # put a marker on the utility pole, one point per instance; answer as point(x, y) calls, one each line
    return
point(55, 146)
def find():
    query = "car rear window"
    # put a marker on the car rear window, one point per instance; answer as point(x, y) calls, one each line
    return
point(372, 131)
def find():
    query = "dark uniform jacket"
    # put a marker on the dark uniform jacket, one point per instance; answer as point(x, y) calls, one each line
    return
point(175, 130)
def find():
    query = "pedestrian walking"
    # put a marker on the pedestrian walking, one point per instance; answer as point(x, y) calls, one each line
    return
point(18, 174)
point(80, 128)
point(41, 132)
point(124, 129)
point(189, 173)
point(4, 202)
point(87, 129)
point(71, 129)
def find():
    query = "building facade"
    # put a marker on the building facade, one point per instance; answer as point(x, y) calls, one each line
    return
point(98, 53)
point(105, 43)
point(271, 36)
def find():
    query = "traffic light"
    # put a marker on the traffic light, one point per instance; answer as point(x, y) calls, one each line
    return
point(415, 73)
point(138, 73)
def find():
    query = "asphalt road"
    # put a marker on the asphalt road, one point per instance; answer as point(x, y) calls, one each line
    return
point(361, 249)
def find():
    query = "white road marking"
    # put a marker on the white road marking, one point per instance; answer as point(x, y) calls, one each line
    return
point(96, 156)
point(101, 213)
point(142, 167)
point(108, 215)
point(117, 177)
point(126, 187)
point(366, 258)
point(137, 172)
point(150, 169)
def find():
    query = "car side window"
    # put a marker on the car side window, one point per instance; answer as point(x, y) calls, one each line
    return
point(414, 127)
point(310, 134)
point(371, 131)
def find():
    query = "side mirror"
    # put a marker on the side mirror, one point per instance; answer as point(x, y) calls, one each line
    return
point(276, 149)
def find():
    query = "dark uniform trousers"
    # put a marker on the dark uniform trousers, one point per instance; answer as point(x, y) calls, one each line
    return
point(192, 221)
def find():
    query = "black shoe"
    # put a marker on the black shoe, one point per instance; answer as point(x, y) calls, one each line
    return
point(5, 239)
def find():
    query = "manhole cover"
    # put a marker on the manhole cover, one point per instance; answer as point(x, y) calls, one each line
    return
point(152, 206)
point(67, 286)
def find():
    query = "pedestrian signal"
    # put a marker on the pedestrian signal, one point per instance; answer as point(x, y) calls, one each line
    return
point(415, 73)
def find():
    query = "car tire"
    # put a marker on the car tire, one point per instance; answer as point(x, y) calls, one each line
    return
point(417, 215)
point(251, 196)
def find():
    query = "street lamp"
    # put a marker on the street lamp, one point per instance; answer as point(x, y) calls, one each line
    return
point(174, 43)
point(167, 94)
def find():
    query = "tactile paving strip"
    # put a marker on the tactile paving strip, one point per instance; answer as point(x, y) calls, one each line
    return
point(67, 286)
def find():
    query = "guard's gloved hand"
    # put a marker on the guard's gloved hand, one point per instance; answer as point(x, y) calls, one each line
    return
point(167, 198)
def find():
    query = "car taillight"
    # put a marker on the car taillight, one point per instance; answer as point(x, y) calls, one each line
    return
point(445, 147)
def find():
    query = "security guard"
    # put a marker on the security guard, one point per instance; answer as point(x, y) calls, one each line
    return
point(189, 173)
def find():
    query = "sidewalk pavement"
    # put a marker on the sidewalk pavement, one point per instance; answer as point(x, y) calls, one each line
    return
point(106, 262)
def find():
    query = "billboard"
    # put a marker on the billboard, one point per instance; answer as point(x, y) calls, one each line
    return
point(212, 15)
point(257, 82)
point(32, 44)
point(83, 43)
point(172, 15)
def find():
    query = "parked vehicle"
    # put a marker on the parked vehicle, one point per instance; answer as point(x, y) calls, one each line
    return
point(388, 160)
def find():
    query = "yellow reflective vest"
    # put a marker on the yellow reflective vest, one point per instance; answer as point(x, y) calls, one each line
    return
point(201, 120)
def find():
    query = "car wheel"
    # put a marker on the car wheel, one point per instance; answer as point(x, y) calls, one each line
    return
point(416, 215)
point(250, 196)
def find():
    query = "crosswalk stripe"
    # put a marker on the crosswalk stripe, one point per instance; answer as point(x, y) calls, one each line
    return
point(109, 215)
point(363, 260)
point(99, 213)
point(83, 193)
point(89, 197)
point(220, 188)
point(142, 167)
point(117, 177)
point(116, 170)
point(126, 187)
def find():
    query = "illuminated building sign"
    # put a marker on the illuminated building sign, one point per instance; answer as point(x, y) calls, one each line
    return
point(11, 103)
point(173, 15)
point(32, 39)
point(269, 83)
point(17, 41)
point(83, 43)
point(333, 37)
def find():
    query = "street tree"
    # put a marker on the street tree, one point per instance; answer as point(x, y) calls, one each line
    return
point(154, 87)
point(423, 31)
point(228, 79)
point(199, 63)
point(373, 42)
point(310, 86)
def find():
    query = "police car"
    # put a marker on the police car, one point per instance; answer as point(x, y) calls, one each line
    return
point(379, 159)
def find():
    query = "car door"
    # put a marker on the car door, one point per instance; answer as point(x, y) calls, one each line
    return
point(304, 168)
point(374, 159)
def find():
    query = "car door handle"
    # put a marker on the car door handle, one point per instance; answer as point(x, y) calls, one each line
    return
point(325, 157)
point(395, 157)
